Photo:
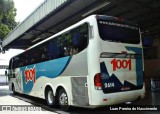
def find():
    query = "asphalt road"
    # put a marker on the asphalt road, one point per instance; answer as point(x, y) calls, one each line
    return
point(150, 99)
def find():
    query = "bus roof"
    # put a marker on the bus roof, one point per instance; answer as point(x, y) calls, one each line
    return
point(75, 25)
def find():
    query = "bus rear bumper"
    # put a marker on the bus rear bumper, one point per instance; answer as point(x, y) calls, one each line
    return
point(118, 98)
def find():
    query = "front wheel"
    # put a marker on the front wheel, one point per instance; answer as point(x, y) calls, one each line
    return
point(63, 100)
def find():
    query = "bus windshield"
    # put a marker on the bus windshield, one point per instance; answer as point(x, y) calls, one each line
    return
point(116, 31)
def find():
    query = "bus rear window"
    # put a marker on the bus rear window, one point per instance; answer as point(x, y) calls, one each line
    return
point(118, 32)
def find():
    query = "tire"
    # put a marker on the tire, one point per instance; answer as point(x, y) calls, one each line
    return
point(63, 100)
point(50, 98)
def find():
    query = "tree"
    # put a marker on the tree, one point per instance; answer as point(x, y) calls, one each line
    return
point(7, 17)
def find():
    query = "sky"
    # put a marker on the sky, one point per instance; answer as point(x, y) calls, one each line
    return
point(24, 9)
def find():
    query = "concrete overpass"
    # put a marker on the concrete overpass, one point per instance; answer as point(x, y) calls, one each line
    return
point(53, 16)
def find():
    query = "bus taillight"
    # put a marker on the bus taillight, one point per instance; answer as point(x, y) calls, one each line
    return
point(98, 81)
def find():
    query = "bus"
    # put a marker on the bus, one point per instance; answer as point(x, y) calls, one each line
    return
point(95, 62)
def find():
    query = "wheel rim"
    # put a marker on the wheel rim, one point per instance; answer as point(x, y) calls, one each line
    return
point(50, 97)
point(63, 100)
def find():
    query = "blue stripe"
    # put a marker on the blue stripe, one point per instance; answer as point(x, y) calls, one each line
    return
point(49, 69)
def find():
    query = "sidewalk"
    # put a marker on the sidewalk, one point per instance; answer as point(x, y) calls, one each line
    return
point(16, 104)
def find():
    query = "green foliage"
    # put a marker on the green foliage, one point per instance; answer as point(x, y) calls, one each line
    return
point(7, 17)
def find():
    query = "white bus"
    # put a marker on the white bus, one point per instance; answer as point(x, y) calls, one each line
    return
point(95, 62)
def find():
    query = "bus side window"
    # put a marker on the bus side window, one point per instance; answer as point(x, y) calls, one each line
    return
point(30, 57)
point(15, 63)
point(10, 63)
point(76, 37)
point(10, 68)
point(26, 58)
point(44, 52)
point(80, 36)
point(51, 50)
point(83, 36)
point(37, 55)
point(55, 48)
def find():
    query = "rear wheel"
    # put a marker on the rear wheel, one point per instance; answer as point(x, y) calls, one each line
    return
point(50, 98)
point(63, 100)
